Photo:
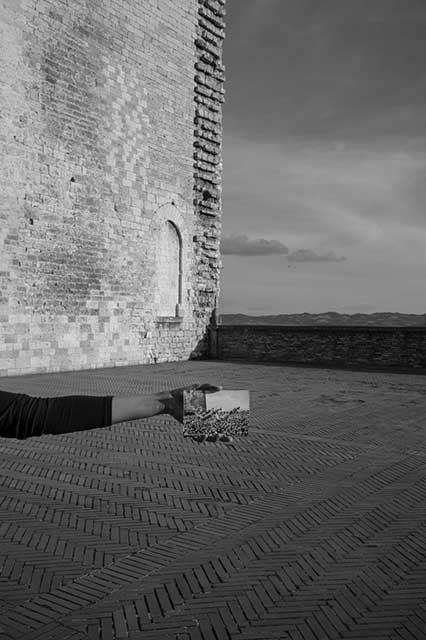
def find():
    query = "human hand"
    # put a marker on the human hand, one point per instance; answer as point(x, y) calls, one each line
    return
point(208, 388)
point(173, 399)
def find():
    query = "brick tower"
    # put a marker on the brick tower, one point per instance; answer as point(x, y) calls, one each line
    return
point(110, 143)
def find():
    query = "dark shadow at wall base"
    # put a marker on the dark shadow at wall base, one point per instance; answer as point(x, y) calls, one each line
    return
point(201, 351)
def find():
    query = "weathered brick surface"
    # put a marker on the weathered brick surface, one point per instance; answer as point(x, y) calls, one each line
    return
point(209, 96)
point(98, 102)
point(388, 347)
point(312, 527)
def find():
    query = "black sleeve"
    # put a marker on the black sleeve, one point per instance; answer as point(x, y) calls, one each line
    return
point(21, 416)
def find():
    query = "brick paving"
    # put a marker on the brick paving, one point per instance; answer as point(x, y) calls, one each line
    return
point(311, 528)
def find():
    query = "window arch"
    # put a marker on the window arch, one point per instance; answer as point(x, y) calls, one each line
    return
point(170, 270)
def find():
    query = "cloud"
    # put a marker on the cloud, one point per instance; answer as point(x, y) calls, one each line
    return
point(306, 255)
point(241, 245)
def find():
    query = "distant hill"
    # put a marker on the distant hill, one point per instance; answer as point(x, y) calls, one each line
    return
point(386, 319)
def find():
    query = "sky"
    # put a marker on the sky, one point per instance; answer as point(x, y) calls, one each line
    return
point(324, 150)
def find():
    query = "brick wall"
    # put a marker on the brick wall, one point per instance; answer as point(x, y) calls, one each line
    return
point(388, 347)
point(99, 152)
point(209, 96)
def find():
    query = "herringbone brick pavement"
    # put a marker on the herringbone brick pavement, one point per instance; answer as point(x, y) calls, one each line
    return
point(312, 528)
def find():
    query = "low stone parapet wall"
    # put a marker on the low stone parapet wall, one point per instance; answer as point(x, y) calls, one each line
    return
point(350, 346)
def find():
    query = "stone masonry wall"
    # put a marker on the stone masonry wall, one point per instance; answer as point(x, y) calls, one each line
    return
point(209, 96)
point(110, 129)
point(387, 347)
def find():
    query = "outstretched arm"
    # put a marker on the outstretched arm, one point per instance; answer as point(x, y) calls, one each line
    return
point(23, 416)
point(136, 407)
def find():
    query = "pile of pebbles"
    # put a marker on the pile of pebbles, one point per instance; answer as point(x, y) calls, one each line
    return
point(216, 424)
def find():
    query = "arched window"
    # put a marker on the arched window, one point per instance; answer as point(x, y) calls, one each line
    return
point(170, 270)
